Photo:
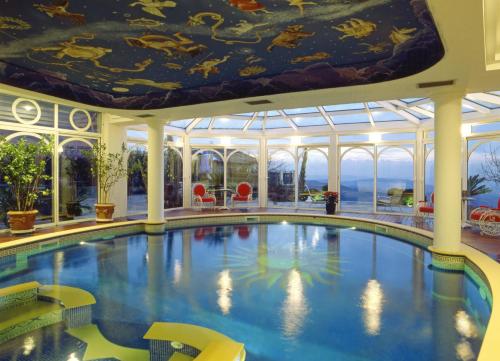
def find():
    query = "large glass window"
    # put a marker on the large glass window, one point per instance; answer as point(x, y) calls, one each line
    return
point(242, 166)
point(429, 171)
point(483, 179)
point(44, 202)
point(173, 183)
point(77, 186)
point(356, 179)
point(137, 181)
point(312, 177)
point(281, 179)
point(395, 179)
point(208, 169)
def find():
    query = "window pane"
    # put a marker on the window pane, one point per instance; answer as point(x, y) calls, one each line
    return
point(356, 179)
point(208, 169)
point(243, 167)
point(281, 179)
point(352, 106)
point(77, 186)
point(313, 178)
point(483, 180)
point(395, 181)
point(351, 118)
point(309, 122)
point(172, 178)
point(429, 172)
point(137, 181)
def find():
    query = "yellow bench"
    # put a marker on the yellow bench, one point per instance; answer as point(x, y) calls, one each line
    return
point(211, 345)
point(28, 306)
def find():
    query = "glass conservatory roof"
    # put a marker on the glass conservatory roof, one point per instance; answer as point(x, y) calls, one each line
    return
point(404, 113)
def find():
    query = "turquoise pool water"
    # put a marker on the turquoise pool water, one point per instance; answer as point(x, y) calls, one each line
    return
point(290, 292)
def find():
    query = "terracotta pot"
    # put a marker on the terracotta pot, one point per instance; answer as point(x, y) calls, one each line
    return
point(104, 212)
point(22, 221)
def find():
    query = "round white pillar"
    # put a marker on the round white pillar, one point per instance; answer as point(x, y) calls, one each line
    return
point(155, 172)
point(447, 172)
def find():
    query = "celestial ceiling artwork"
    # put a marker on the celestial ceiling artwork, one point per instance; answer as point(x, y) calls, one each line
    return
point(151, 54)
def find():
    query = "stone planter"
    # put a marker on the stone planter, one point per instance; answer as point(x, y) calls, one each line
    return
point(22, 221)
point(104, 212)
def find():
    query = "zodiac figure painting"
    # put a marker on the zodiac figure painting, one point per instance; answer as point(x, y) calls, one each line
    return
point(250, 6)
point(146, 23)
point(242, 27)
point(208, 67)
point(399, 36)
point(93, 54)
point(308, 58)
point(300, 4)
point(154, 7)
point(59, 8)
point(377, 48)
point(13, 23)
point(290, 37)
point(356, 28)
point(170, 45)
point(151, 83)
point(252, 70)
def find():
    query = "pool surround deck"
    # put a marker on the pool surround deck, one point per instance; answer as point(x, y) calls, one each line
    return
point(483, 260)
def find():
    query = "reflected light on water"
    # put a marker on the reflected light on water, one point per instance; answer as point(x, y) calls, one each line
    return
point(295, 308)
point(225, 284)
point(372, 302)
point(177, 272)
point(464, 351)
point(28, 345)
point(315, 238)
point(72, 357)
point(464, 325)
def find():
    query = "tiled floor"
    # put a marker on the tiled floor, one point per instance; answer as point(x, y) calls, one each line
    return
point(470, 236)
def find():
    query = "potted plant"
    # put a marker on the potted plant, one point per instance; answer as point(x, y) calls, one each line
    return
point(331, 199)
point(109, 168)
point(23, 167)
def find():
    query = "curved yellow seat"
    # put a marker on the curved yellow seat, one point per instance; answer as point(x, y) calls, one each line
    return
point(213, 345)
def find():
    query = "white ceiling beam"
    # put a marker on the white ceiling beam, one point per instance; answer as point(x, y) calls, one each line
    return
point(400, 104)
point(327, 117)
point(193, 124)
point(417, 102)
point(370, 116)
point(490, 98)
point(290, 121)
point(211, 124)
point(249, 122)
point(480, 108)
point(391, 107)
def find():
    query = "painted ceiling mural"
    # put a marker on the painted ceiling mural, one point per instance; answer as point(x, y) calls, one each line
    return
point(150, 54)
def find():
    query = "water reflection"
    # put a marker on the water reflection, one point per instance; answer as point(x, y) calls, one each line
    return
point(372, 302)
point(224, 291)
point(295, 308)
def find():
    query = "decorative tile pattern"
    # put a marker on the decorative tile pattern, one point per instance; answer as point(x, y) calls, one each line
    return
point(161, 350)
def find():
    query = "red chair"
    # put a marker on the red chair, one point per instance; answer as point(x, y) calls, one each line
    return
point(201, 198)
point(243, 193)
point(426, 209)
point(487, 219)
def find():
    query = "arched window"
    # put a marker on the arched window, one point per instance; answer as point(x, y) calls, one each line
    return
point(483, 173)
point(281, 179)
point(242, 166)
point(312, 177)
point(356, 179)
point(208, 168)
point(395, 180)
point(137, 182)
point(173, 178)
point(77, 186)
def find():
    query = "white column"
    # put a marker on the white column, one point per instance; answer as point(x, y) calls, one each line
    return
point(114, 135)
point(419, 167)
point(155, 171)
point(332, 164)
point(262, 172)
point(447, 170)
point(186, 173)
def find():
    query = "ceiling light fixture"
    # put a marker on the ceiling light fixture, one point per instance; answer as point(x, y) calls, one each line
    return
point(375, 137)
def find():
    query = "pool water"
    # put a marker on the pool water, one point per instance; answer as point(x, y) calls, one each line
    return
point(289, 292)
